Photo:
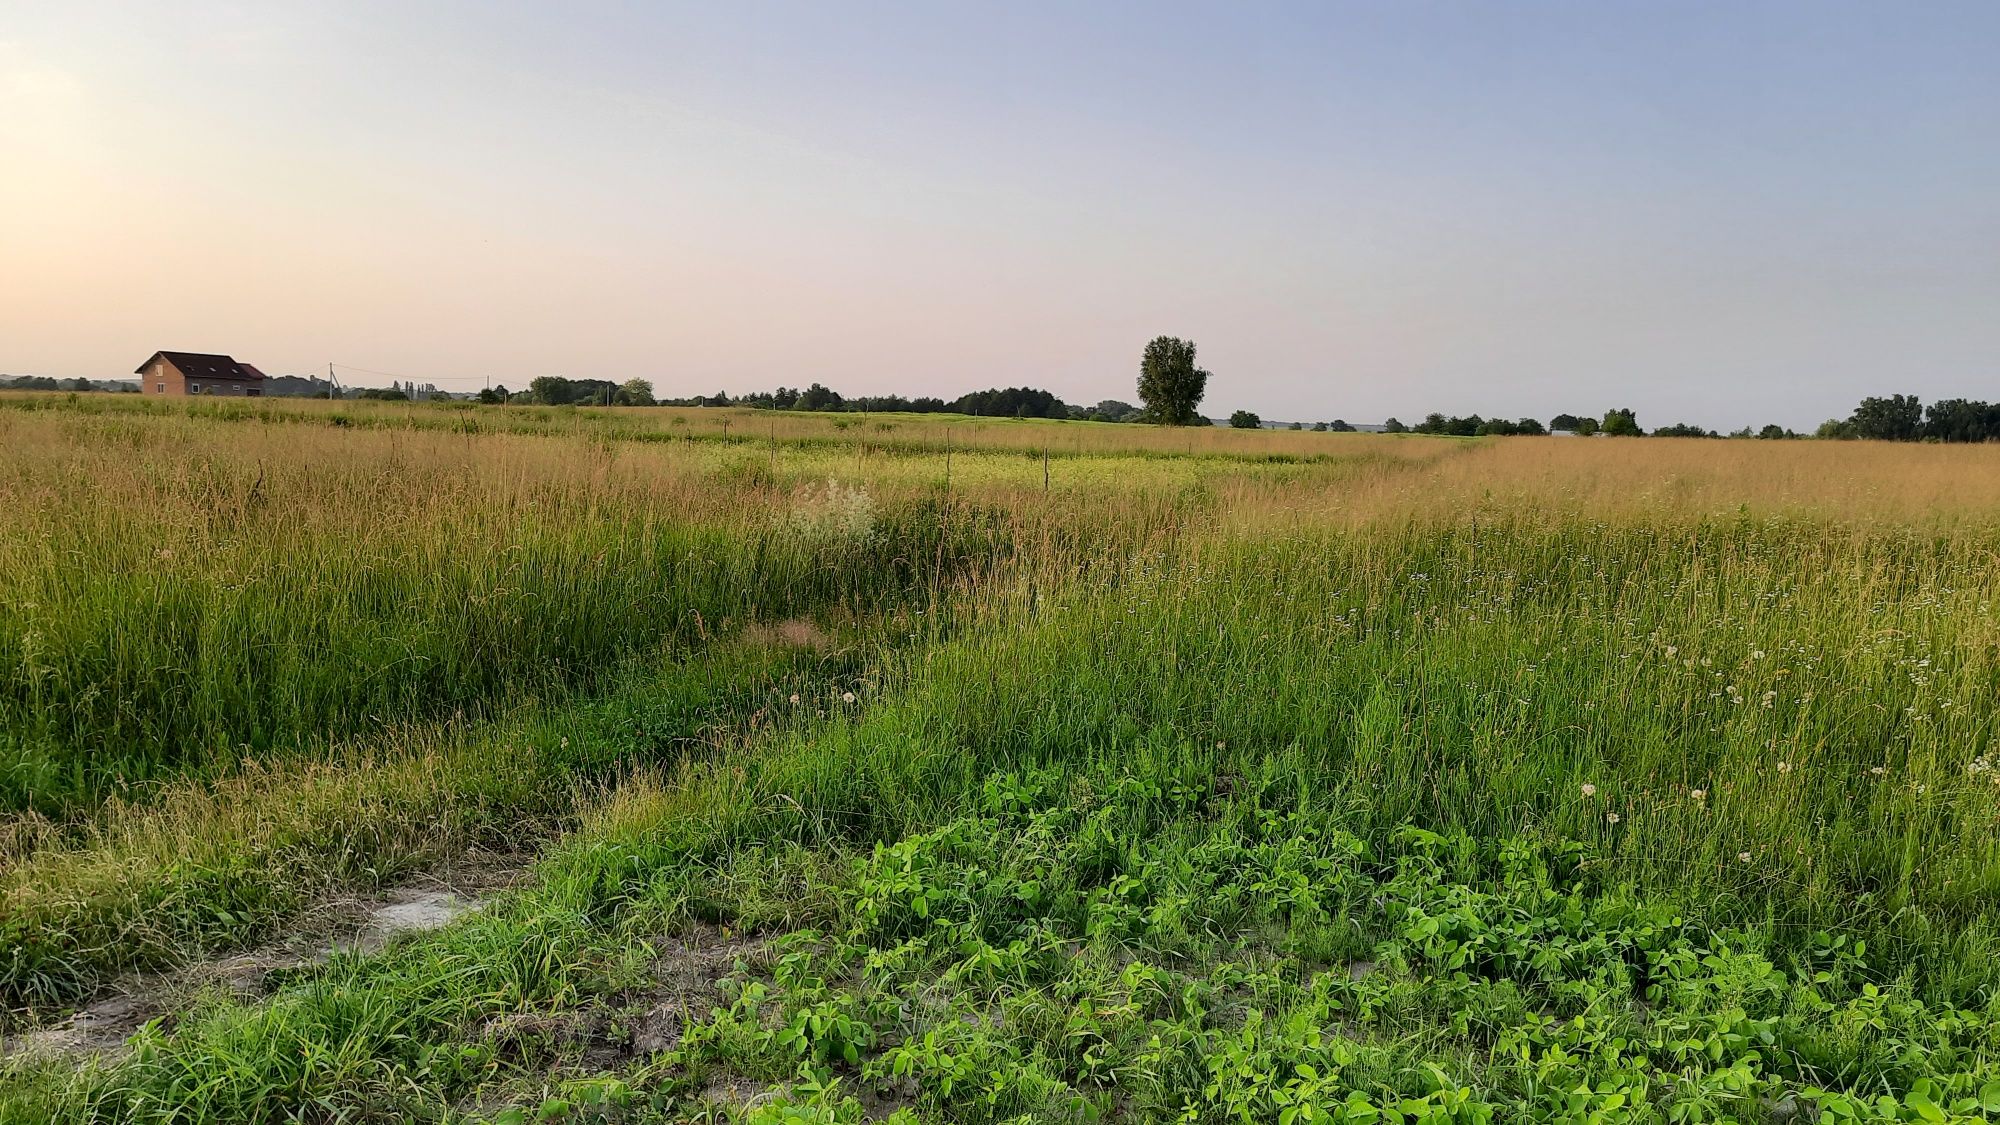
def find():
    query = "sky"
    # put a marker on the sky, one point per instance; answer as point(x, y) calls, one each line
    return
point(1722, 213)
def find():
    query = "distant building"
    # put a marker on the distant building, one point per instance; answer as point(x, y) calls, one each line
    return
point(195, 373)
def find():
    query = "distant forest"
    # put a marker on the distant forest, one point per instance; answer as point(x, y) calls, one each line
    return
point(1883, 418)
point(998, 402)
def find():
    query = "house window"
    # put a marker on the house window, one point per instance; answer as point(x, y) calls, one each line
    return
point(160, 388)
point(194, 388)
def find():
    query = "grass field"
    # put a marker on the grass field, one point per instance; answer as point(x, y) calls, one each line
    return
point(897, 768)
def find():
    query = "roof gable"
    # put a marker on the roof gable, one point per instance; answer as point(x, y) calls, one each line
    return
point(203, 365)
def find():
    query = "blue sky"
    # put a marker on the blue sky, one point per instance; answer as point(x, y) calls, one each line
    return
point(1719, 213)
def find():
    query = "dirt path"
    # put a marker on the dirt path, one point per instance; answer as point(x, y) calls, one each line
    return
point(362, 923)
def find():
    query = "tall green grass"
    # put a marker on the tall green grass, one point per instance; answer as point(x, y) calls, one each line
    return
point(1183, 719)
point(1775, 722)
point(173, 601)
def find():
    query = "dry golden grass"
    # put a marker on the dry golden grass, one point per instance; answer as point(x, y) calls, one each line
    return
point(1032, 435)
point(1637, 480)
point(897, 431)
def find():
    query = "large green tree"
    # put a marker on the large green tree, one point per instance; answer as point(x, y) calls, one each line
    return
point(1895, 418)
point(1170, 385)
point(1621, 423)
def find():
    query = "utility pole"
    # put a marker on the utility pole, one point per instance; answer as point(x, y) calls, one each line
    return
point(329, 380)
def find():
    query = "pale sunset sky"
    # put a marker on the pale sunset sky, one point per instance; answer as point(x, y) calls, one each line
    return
point(1723, 213)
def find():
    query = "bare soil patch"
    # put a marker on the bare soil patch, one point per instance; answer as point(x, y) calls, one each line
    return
point(686, 972)
point(361, 923)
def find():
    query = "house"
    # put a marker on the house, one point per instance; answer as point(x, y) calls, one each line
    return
point(195, 373)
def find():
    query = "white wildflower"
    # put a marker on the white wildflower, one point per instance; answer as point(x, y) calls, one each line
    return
point(835, 513)
point(1589, 790)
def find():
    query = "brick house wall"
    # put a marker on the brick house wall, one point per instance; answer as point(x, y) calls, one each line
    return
point(163, 378)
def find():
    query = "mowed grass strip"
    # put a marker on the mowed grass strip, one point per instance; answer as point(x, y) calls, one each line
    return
point(206, 869)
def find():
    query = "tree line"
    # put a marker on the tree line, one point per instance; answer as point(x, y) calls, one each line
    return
point(48, 383)
point(995, 402)
point(1906, 418)
point(1170, 388)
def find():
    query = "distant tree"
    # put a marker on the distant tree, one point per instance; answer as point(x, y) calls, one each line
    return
point(1958, 419)
point(1245, 420)
point(1495, 426)
point(554, 390)
point(491, 396)
point(817, 397)
point(1112, 410)
point(879, 404)
point(1319, 427)
point(1394, 427)
point(1574, 423)
point(635, 392)
point(1433, 423)
point(1836, 429)
point(1682, 429)
point(383, 394)
point(1895, 418)
point(1621, 423)
point(73, 385)
point(1775, 432)
point(550, 390)
point(1298, 425)
point(1011, 402)
point(1170, 385)
point(1340, 426)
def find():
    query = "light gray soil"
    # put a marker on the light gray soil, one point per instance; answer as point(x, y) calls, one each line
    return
point(361, 924)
